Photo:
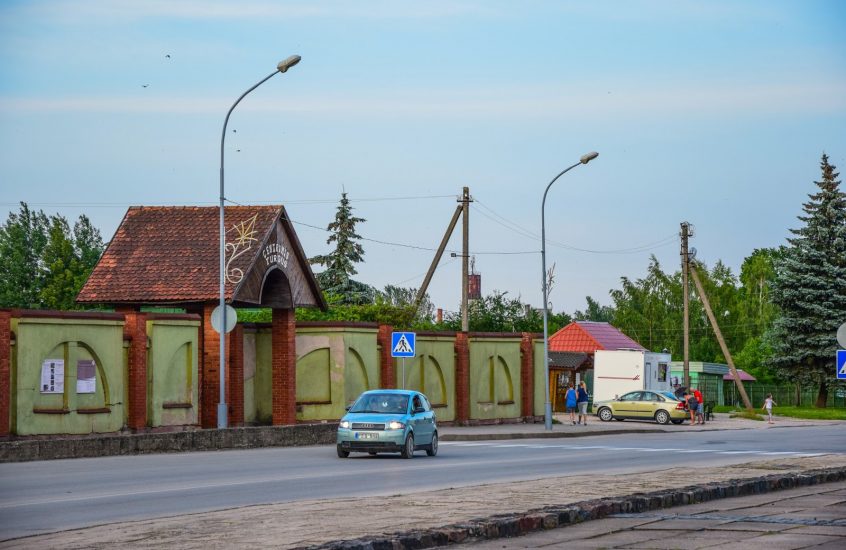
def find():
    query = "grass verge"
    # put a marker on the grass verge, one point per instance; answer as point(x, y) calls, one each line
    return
point(811, 413)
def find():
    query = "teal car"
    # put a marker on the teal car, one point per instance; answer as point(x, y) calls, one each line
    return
point(388, 421)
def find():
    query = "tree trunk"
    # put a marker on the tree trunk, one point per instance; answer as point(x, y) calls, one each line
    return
point(822, 396)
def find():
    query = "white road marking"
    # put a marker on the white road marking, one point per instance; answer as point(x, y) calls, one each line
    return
point(568, 447)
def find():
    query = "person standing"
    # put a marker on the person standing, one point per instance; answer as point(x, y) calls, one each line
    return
point(692, 405)
point(570, 403)
point(582, 400)
point(768, 404)
point(700, 410)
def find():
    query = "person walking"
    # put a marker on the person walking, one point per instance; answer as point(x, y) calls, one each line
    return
point(768, 404)
point(582, 400)
point(570, 403)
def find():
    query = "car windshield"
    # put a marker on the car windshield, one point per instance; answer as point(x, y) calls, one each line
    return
point(381, 403)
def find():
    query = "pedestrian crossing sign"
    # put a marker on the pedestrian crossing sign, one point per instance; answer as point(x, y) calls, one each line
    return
point(841, 364)
point(402, 344)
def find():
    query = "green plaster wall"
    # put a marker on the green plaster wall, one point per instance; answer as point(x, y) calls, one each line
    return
point(539, 399)
point(334, 365)
point(172, 380)
point(37, 340)
point(432, 371)
point(258, 390)
point(495, 390)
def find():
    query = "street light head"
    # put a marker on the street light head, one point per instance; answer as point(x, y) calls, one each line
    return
point(286, 64)
point(588, 157)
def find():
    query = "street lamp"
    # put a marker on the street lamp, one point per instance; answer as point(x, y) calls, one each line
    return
point(222, 422)
point(547, 415)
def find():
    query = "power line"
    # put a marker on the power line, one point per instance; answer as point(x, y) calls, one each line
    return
point(522, 231)
point(209, 203)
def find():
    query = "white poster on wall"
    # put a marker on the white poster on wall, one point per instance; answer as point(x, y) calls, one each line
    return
point(86, 376)
point(53, 376)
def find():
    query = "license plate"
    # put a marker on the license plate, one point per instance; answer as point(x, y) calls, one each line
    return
point(366, 435)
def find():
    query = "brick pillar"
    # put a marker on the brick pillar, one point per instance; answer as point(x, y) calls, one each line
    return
point(462, 378)
point(235, 376)
point(527, 374)
point(210, 370)
point(135, 328)
point(283, 365)
point(387, 372)
point(5, 373)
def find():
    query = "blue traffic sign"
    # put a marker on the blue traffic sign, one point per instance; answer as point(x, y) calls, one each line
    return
point(402, 344)
point(841, 364)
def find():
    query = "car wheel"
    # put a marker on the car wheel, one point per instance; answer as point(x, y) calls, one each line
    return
point(677, 421)
point(408, 448)
point(433, 448)
point(605, 414)
point(662, 417)
point(342, 453)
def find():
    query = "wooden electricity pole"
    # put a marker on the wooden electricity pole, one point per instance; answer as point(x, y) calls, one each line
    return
point(685, 259)
point(465, 257)
point(716, 327)
point(463, 210)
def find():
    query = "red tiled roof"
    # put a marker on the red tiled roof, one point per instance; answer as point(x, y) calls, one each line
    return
point(170, 254)
point(589, 336)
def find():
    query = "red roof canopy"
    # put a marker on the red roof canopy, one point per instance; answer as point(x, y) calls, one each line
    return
point(589, 336)
point(744, 376)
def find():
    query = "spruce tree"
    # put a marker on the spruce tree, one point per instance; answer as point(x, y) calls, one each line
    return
point(810, 289)
point(340, 263)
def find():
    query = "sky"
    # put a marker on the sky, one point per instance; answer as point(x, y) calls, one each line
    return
point(715, 113)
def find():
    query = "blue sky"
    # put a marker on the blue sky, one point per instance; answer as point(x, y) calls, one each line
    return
point(711, 112)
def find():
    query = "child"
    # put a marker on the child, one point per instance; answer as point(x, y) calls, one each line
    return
point(768, 404)
point(570, 398)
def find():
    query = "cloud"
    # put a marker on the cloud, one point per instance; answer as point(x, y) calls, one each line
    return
point(117, 10)
point(556, 102)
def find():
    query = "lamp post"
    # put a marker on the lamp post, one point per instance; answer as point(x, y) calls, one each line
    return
point(222, 422)
point(547, 415)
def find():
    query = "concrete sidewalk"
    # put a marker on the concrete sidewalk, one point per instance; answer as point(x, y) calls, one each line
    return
point(595, 426)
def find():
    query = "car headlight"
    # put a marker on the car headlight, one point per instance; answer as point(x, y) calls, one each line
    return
point(395, 425)
point(345, 424)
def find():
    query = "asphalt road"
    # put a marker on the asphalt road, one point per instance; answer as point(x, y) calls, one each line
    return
point(49, 496)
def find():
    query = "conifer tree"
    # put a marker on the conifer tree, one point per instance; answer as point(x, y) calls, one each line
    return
point(340, 263)
point(810, 289)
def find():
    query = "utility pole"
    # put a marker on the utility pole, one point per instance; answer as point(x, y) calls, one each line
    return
point(716, 327)
point(463, 210)
point(685, 260)
point(465, 256)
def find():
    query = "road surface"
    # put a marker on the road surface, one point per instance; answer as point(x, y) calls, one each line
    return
point(49, 496)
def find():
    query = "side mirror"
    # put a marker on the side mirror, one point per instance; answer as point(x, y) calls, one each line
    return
point(347, 408)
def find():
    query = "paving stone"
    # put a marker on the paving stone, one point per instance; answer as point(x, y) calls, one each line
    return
point(686, 524)
point(833, 530)
point(785, 541)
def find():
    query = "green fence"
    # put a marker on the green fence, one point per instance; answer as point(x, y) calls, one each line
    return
point(784, 395)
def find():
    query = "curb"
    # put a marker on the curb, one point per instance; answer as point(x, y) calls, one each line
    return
point(551, 517)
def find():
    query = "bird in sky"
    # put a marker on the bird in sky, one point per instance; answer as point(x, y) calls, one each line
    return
point(167, 55)
point(144, 85)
